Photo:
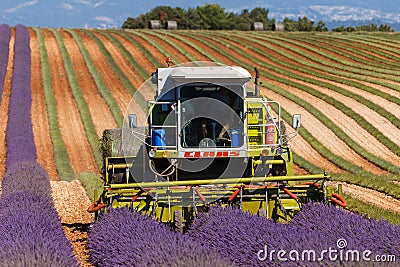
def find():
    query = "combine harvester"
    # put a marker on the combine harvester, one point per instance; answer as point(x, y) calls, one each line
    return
point(211, 139)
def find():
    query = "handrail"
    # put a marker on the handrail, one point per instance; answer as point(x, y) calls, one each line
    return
point(221, 181)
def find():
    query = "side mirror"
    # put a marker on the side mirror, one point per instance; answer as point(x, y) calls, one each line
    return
point(132, 121)
point(296, 121)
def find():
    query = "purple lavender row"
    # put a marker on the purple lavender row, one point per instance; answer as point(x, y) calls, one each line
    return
point(360, 232)
point(126, 238)
point(31, 233)
point(5, 36)
point(34, 179)
point(254, 241)
point(19, 135)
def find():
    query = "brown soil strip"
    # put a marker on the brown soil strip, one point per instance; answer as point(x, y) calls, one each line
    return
point(179, 40)
point(349, 125)
point(5, 104)
point(299, 145)
point(361, 47)
point(321, 132)
point(99, 111)
point(117, 90)
point(72, 131)
point(142, 60)
point(128, 70)
point(150, 39)
point(40, 122)
point(396, 182)
point(77, 235)
point(325, 135)
point(71, 202)
point(370, 196)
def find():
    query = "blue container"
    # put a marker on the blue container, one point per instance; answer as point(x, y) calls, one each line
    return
point(235, 138)
point(158, 138)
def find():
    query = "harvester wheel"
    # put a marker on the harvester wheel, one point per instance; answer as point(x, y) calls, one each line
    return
point(178, 221)
point(262, 212)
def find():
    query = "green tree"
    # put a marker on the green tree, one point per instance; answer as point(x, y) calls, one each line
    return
point(212, 17)
point(305, 25)
point(321, 27)
point(207, 17)
point(339, 29)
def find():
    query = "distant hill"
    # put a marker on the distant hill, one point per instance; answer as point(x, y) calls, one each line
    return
point(111, 14)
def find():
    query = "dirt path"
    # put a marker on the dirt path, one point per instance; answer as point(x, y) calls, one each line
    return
point(99, 111)
point(71, 202)
point(302, 148)
point(5, 104)
point(40, 122)
point(72, 131)
point(370, 196)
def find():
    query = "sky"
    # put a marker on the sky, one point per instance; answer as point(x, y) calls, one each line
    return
point(112, 13)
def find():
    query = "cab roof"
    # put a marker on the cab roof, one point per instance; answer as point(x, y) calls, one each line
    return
point(168, 78)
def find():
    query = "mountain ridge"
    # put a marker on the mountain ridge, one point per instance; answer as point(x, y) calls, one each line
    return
point(112, 14)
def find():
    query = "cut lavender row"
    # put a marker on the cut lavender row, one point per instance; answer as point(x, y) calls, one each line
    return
point(31, 233)
point(26, 176)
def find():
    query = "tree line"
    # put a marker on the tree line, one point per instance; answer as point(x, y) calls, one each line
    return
point(215, 17)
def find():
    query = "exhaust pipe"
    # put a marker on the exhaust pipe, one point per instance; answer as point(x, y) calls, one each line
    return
point(257, 83)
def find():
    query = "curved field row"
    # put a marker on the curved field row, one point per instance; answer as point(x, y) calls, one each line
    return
point(388, 104)
point(349, 125)
point(370, 196)
point(332, 78)
point(303, 148)
point(125, 59)
point(242, 60)
point(337, 56)
point(99, 111)
point(322, 138)
point(40, 123)
point(134, 79)
point(379, 48)
point(319, 64)
point(72, 130)
point(112, 82)
point(357, 51)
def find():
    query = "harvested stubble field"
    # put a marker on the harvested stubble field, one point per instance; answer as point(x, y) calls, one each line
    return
point(346, 86)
